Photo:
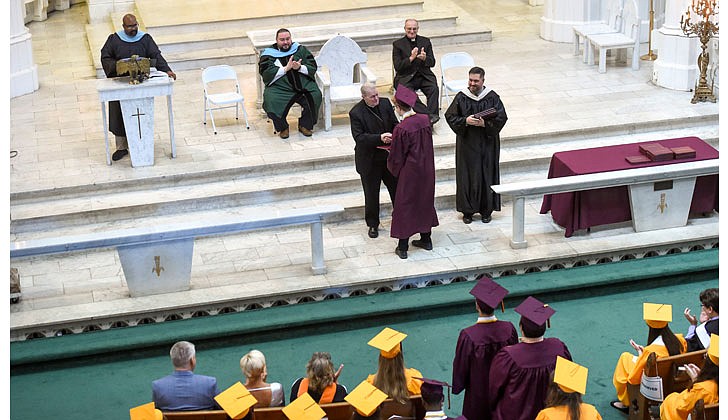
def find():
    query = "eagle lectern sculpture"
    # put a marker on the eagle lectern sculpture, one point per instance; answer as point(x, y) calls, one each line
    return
point(137, 67)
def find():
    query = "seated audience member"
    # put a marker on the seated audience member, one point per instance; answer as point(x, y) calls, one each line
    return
point(391, 376)
point(520, 374)
point(661, 341)
point(563, 400)
point(366, 400)
point(433, 398)
point(698, 336)
point(705, 385)
point(183, 390)
point(320, 381)
point(255, 371)
point(476, 347)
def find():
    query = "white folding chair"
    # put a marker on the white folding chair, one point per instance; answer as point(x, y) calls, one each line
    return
point(222, 100)
point(450, 61)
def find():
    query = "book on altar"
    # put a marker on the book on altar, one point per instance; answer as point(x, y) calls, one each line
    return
point(656, 152)
point(683, 152)
point(634, 160)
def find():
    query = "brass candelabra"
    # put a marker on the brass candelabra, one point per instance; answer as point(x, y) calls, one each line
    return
point(704, 28)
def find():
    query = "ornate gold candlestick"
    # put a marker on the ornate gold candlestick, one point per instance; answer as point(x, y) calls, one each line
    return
point(650, 56)
point(704, 28)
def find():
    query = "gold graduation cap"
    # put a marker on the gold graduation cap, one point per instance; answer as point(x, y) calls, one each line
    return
point(657, 315)
point(145, 412)
point(366, 398)
point(236, 400)
point(304, 408)
point(570, 376)
point(388, 342)
point(714, 349)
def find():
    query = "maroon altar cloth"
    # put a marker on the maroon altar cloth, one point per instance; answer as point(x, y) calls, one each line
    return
point(584, 209)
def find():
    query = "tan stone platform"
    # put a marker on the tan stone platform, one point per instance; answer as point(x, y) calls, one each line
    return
point(554, 102)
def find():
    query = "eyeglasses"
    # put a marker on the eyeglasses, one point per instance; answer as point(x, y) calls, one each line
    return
point(131, 26)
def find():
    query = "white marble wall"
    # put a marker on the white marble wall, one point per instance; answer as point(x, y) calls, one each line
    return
point(23, 71)
point(99, 10)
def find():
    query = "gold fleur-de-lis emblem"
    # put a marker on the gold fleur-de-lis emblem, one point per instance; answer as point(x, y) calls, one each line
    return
point(157, 265)
point(663, 203)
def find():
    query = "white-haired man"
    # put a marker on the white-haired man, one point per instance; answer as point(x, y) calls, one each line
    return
point(183, 390)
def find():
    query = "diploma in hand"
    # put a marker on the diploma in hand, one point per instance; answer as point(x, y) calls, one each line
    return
point(488, 113)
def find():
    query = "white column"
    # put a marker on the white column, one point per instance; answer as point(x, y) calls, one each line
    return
point(676, 65)
point(559, 16)
point(23, 71)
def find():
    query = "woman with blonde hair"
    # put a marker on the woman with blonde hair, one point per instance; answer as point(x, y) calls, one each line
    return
point(392, 377)
point(320, 381)
point(255, 372)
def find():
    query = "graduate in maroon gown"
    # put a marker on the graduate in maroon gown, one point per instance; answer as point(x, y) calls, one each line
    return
point(520, 374)
point(433, 398)
point(412, 160)
point(477, 345)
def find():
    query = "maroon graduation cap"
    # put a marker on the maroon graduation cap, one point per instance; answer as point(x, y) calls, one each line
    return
point(405, 95)
point(489, 292)
point(535, 311)
point(433, 389)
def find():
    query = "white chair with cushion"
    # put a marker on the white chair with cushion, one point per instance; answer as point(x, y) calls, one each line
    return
point(611, 25)
point(628, 37)
point(461, 60)
point(225, 99)
point(342, 69)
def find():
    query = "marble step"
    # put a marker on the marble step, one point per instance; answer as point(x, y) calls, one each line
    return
point(317, 185)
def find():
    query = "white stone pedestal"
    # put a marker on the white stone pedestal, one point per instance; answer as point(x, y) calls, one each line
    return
point(157, 267)
point(659, 205)
point(137, 109)
point(676, 65)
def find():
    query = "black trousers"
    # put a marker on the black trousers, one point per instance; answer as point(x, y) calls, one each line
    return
point(403, 244)
point(432, 93)
point(371, 183)
point(306, 119)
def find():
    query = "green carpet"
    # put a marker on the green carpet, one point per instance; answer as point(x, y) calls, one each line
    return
point(598, 311)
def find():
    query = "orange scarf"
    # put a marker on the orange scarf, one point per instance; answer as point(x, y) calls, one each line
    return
point(326, 397)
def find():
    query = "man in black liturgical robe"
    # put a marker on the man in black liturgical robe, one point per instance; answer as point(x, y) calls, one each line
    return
point(477, 147)
point(124, 44)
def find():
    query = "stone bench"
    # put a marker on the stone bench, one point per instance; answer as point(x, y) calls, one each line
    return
point(158, 259)
point(632, 177)
point(314, 37)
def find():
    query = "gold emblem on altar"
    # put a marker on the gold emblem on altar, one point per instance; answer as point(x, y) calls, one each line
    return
point(137, 67)
point(157, 265)
point(663, 203)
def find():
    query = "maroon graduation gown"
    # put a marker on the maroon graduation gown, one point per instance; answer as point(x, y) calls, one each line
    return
point(412, 160)
point(519, 378)
point(477, 345)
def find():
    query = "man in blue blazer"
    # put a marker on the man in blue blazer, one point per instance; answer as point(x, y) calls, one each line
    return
point(183, 390)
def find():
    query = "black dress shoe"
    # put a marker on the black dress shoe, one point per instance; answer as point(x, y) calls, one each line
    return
point(373, 232)
point(467, 219)
point(618, 405)
point(486, 219)
point(119, 154)
point(422, 244)
point(401, 254)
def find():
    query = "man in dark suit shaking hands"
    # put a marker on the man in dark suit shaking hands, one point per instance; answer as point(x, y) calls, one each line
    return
point(372, 123)
point(413, 59)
